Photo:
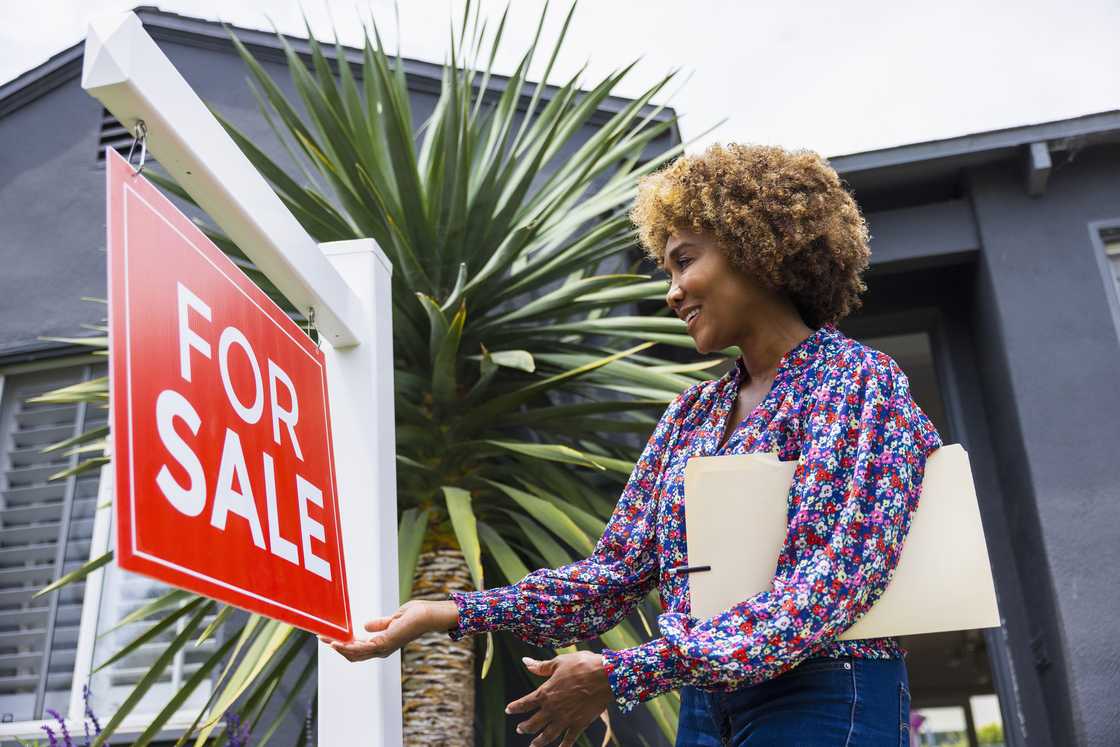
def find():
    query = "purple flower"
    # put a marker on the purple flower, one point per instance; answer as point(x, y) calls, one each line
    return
point(88, 717)
point(238, 732)
point(86, 695)
point(50, 735)
point(62, 725)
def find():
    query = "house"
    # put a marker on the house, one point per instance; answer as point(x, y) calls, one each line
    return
point(995, 283)
point(995, 266)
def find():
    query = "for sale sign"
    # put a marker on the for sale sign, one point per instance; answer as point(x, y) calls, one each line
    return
point(225, 479)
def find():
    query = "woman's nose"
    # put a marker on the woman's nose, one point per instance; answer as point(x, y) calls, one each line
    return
point(674, 297)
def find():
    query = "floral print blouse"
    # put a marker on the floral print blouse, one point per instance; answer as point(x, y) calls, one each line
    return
point(845, 413)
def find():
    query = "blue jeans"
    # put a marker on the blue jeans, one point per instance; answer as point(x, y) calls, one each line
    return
point(819, 703)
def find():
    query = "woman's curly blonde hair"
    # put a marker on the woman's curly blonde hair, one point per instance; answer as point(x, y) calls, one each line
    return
point(782, 216)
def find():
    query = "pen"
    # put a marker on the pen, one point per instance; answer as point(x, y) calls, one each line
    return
point(690, 569)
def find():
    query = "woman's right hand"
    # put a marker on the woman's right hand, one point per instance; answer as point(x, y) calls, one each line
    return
point(412, 620)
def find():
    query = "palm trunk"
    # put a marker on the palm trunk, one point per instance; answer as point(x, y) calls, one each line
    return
point(437, 680)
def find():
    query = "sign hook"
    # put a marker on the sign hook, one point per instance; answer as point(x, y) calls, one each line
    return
point(140, 136)
point(312, 328)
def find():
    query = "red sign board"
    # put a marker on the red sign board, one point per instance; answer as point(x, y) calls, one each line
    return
point(224, 468)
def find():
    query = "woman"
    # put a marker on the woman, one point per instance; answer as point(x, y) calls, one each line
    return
point(764, 250)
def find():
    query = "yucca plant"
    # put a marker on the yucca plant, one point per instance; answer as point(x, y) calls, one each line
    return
point(525, 381)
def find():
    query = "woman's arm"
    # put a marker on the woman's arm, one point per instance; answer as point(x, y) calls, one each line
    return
point(552, 607)
point(580, 600)
point(857, 483)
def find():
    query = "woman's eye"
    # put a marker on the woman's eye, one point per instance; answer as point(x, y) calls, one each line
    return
point(684, 262)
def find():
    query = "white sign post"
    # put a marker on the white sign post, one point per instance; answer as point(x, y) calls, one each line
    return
point(360, 704)
point(348, 286)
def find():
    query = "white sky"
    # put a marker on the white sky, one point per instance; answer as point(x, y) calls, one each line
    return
point(838, 77)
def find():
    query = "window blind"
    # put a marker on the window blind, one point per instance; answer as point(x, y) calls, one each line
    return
point(45, 529)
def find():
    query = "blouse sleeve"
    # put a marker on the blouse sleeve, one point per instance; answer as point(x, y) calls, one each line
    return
point(857, 481)
point(583, 599)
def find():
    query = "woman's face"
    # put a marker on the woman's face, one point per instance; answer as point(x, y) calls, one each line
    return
point(715, 299)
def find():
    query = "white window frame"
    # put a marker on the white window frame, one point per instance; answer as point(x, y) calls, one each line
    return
point(100, 542)
point(1097, 230)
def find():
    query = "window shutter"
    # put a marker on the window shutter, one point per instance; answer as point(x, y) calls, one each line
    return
point(45, 529)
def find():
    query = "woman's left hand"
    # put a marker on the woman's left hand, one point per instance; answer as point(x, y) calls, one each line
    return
point(575, 693)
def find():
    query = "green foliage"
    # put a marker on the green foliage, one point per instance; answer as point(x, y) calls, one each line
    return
point(514, 374)
point(990, 735)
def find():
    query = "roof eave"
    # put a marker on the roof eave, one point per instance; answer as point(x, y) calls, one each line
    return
point(37, 81)
point(1066, 134)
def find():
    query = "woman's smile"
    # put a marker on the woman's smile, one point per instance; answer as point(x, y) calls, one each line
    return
point(690, 316)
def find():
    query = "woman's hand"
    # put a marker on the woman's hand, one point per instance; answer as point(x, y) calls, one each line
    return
point(412, 620)
point(575, 693)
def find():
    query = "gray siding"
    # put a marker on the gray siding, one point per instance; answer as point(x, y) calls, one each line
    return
point(52, 218)
point(1051, 359)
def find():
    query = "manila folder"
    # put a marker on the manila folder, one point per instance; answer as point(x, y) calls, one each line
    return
point(736, 514)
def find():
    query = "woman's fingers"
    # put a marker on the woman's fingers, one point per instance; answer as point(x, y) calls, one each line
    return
point(546, 737)
point(378, 623)
point(534, 723)
point(362, 650)
point(524, 704)
point(540, 668)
